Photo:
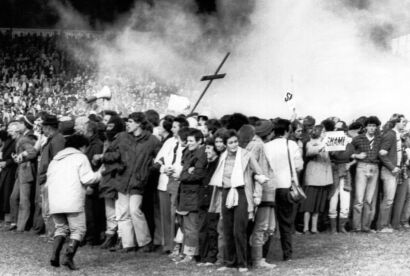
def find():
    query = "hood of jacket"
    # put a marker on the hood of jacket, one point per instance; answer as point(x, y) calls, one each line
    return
point(65, 153)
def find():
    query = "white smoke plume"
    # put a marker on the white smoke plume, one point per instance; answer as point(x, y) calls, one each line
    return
point(332, 55)
point(165, 44)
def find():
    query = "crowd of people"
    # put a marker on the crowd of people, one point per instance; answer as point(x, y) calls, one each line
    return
point(40, 73)
point(201, 190)
point(204, 191)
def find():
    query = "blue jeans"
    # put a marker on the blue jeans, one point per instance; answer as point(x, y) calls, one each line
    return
point(366, 183)
point(389, 191)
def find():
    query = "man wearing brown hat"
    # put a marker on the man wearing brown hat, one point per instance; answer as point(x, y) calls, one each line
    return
point(55, 142)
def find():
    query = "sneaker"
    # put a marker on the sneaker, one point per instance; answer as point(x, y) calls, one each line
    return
point(12, 227)
point(386, 230)
point(262, 264)
point(200, 264)
point(243, 270)
point(369, 231)
point(175, 252)
point(186, 260)
point(178, 258)
point(208, 264)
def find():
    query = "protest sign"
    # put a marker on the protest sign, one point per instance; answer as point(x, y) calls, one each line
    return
point(335, 141)
point(178, 103)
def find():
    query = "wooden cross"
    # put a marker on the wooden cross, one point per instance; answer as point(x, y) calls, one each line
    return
point(210, 79)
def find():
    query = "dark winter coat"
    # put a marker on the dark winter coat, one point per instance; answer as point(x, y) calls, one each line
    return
point(7, 175)
point(130, 159)
point(190, 182)
point(53, 145)
point(26, 171)
point(205, 190)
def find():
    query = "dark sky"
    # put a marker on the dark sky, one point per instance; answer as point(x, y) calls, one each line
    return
point(39, 14)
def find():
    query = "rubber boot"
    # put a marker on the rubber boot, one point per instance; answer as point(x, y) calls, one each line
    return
point(109, 241)
point(70, 253)
point(258, 262)
point(57, 246)
point(333, 226)
point(342, 223)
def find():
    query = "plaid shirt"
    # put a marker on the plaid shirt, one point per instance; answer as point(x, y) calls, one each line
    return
point(362, 144)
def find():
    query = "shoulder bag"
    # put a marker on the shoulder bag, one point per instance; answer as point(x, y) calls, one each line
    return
point(296, 193)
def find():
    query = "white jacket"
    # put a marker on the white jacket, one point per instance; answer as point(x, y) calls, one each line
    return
point(277, 153)
point(165, 157)
point(67, 174)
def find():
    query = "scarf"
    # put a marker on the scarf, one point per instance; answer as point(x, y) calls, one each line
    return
point(237, 172)
point(237, 179)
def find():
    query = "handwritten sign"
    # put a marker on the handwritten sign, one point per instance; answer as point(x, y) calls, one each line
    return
point(335, 141)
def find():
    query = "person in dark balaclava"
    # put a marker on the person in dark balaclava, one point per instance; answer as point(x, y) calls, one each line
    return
point(115, 125)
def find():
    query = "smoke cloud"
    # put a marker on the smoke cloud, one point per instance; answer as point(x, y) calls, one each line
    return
point(333, 56)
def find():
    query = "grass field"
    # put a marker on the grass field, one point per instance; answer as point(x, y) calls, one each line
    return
point(323, 254)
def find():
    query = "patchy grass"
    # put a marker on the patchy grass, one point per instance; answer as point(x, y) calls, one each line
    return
point(323, 254)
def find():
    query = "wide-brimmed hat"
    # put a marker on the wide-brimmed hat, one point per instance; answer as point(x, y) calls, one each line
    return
point(50, 120)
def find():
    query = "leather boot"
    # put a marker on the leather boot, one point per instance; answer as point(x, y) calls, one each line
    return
point(117, 247)
point(333, 229)
point(109, 242)
point(57, 246)
point(342, 223)
point(70, 253)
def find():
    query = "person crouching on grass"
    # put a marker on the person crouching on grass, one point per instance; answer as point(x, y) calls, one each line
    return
point(68, 174)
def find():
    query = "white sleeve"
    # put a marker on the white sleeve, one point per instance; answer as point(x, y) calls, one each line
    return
point(162, 152)
point(87, 176)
